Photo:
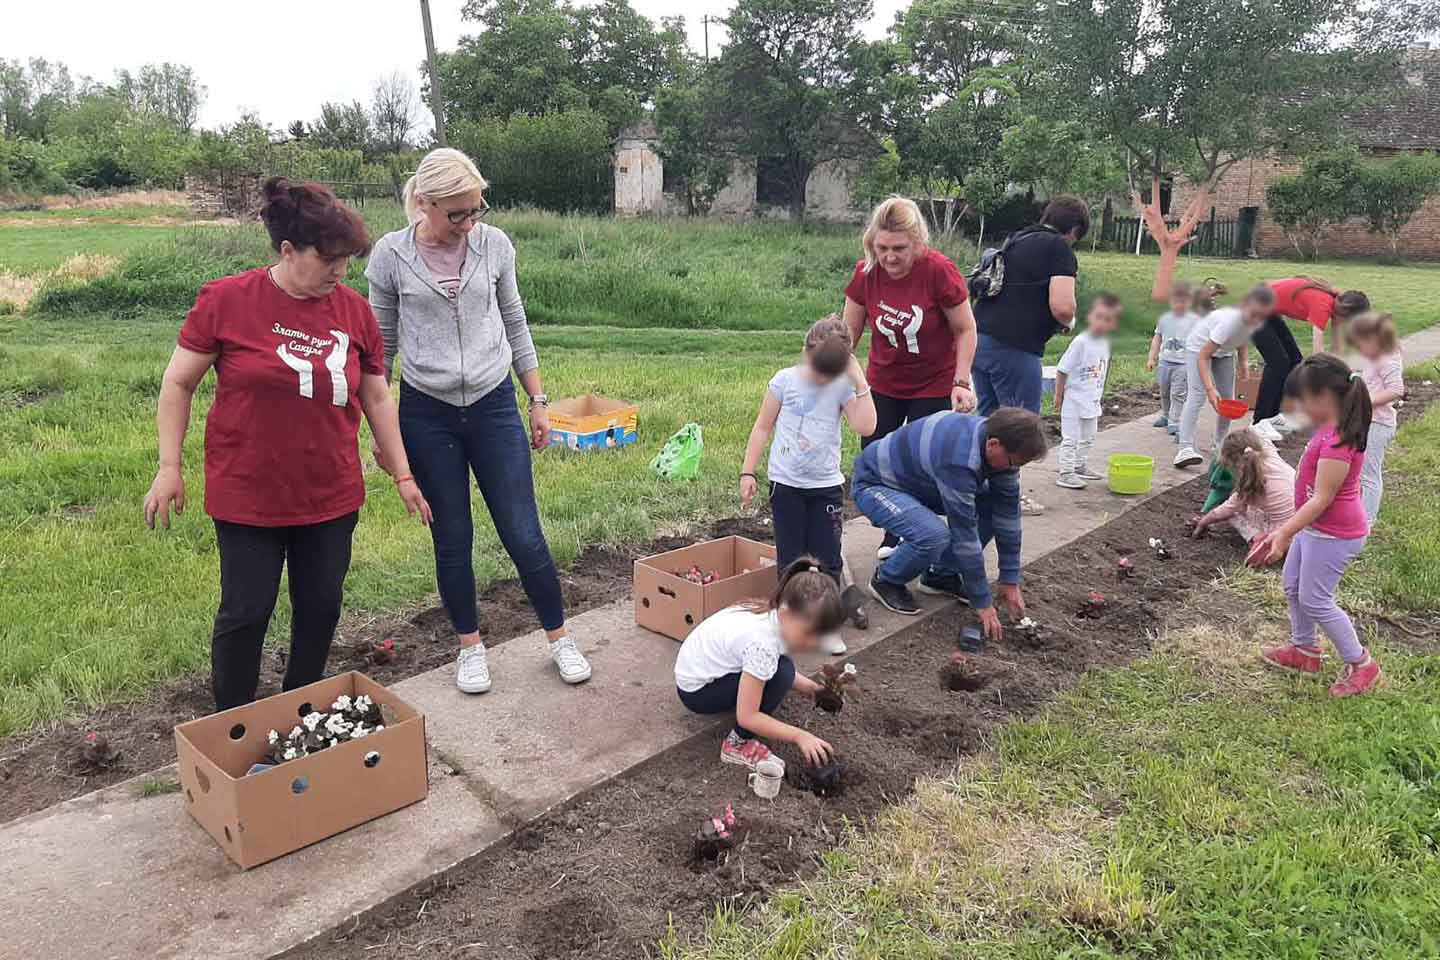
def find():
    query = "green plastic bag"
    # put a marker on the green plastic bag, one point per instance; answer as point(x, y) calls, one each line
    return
point(679, 459)
point(1222, 484)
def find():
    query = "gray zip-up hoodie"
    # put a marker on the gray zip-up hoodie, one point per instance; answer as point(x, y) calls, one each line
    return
point(455, 351)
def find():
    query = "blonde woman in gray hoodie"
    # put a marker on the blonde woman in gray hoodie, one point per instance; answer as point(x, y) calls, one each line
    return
point(445, 296)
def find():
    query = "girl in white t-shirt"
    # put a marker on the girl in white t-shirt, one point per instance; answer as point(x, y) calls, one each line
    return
point(1211, 360)
point(738, 660)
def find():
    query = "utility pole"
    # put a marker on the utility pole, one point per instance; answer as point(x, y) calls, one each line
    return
point(705, 22)
point(437, 102)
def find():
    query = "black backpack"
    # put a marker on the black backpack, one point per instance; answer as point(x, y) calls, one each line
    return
point(987, 278)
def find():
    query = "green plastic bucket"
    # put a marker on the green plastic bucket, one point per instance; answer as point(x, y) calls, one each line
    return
point(1131, 473)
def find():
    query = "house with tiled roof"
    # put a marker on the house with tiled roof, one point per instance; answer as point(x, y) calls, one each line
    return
point(1406, 122)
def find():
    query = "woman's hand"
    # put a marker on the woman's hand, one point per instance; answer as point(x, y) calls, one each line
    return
point(168, 488)
point(1213, 396)
point(748, 489)
point(413, 499)
point(816, 752)
point(539, 426)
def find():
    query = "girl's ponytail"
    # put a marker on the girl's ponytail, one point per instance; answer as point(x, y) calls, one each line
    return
point(1355, 414)
point(806, 589)
point(1243, 454)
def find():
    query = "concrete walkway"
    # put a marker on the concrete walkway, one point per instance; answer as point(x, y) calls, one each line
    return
point(112, 875)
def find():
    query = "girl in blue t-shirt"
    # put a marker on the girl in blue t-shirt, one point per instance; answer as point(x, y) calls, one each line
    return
point(801, 410)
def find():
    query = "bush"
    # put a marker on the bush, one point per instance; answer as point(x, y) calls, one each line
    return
point(29, 168)
point(556, 161)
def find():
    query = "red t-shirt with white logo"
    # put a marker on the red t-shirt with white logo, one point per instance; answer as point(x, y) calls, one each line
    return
point(281, 438)
point(912, 350)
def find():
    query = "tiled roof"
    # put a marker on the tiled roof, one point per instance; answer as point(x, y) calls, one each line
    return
point(1410, 119)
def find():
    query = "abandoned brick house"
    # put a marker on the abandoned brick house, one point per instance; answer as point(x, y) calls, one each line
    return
point(1406, 122)
point(753, 191)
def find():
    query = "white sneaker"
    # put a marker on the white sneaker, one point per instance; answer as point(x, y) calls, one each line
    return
point(1029, 507)
point(1265, 431)
point(1283, 424)
point(472, 669)
point(883, 552)
point(1070, 482)
point(574, 668)
point(833, 644)
point(1187, 457)
point(1085, 473)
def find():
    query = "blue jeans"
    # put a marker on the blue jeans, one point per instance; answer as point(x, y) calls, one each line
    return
point(1005, 377)
point(924, 536)
point(720, 696)
point(445, 444)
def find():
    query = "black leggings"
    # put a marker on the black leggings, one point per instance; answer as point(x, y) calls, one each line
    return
point(318, 556)
point(1282, 354)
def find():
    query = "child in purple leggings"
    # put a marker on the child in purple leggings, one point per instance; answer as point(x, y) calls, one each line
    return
point(1329, 527)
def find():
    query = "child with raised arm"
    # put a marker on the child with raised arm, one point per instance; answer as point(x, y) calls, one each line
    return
point(1329, 527)
point(1167, 355)
point(1373, 337)
point(739, 661)
point(1079, 385)
point(801, 410)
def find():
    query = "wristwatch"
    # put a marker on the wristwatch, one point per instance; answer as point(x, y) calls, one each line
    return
point(960, 382)
point(539, 400)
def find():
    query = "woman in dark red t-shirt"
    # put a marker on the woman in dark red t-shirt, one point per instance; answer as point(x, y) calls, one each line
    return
point(298, 359)
point(914, 302)
point(1309, 300)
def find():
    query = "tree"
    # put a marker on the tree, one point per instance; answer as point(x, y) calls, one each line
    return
point(297, 130)
point(789, 82)
point(1325, 192)
point(695, 157)
point(393, 111)
point(1391, 192)
point(167, 90)
point(342, 126)
point(1190, 87)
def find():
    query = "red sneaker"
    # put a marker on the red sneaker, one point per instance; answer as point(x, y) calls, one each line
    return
point(743, 753)
point(1357, 678)
point(1292, 657)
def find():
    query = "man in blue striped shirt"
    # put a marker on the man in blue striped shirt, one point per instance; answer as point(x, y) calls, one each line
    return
point(966, 467)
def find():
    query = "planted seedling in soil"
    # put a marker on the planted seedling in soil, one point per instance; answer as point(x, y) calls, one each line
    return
point(715, 836)
point(960, 674)
point(833, 681)
point(96, 754)
point(383, 652)
point(1125, 568)
point(1161, 551)
point(1093, 608)
point(1195, 530)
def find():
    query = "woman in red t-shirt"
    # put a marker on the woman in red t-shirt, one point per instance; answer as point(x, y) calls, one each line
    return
point(1313, 301)
point(298, 359)
point(915, 304)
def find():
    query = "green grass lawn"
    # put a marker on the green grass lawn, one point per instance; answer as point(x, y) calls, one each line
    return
point(687, 319)
point(1192, 805)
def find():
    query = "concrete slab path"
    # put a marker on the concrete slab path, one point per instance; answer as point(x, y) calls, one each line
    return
point(114, 875)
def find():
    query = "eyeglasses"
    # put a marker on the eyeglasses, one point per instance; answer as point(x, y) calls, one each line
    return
point(458, 217)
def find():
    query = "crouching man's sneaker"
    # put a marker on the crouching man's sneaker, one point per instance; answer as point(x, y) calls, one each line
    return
point(1291, 657)
point(1357, 678)
point(746, 753)
point(895, 597)
point(472, 669)
point(833, 644)
point(1030, 507)
point(574, 668)
point(943, 585)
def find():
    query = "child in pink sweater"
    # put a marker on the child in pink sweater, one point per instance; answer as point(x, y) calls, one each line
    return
point(1263, 500)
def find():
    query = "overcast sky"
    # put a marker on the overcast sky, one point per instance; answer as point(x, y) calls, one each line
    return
point(281, 58)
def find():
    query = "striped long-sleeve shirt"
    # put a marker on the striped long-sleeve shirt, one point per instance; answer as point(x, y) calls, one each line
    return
point(940, 461)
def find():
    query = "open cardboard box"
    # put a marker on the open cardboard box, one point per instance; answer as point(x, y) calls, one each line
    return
point(277, 811)
point(668, 603)
point(593, 422)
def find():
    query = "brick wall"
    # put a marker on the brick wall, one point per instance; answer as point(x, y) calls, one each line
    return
point(219, 193)
point(1244, 186)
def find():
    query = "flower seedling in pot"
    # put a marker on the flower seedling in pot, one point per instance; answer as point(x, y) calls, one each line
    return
point(833, 681)
point(1125, 568)
point(824, 781)
point(697, 576)
point(1159, 547)
point(349, 718)
point(716, 835)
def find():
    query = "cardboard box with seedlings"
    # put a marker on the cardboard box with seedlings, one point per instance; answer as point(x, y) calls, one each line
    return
point(593, 422)
point(256, 817)
point(731, 570)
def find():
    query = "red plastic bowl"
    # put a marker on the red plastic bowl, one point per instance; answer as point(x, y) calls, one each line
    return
point(1233, 409)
